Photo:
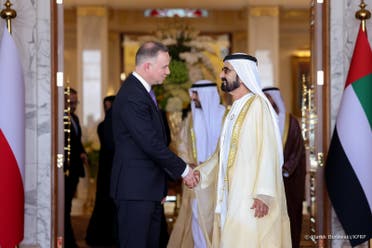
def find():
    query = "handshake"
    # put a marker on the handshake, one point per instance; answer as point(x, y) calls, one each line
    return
point(192, 178)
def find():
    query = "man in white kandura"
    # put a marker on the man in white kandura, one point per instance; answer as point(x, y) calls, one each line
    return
point(197, 142)
point(242, 182)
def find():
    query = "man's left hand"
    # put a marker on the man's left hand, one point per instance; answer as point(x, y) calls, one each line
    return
point(261, 209)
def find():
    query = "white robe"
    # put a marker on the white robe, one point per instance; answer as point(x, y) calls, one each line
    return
point(252, 170)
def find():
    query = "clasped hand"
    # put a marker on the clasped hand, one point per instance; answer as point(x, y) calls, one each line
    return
point(192, 179)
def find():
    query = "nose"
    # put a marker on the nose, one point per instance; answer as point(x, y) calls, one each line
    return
point(222, 74)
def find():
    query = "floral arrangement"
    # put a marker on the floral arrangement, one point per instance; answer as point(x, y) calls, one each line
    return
point(92, 150)
point(190, 62)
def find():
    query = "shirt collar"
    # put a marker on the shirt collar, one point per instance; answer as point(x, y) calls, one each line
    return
point(143, 81)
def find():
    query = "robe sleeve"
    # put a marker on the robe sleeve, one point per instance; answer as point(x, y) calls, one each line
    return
point(205, 193)
point(263, 149)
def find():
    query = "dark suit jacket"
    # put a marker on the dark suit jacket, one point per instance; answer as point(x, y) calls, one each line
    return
point(76, 167)
point(142, 157)
point(106, 155)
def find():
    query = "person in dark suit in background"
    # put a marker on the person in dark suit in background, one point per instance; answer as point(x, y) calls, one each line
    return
point(101, 230)
point(142, 159)
point(73, 164)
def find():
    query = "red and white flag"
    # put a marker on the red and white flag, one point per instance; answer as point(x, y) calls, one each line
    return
point(12, 144)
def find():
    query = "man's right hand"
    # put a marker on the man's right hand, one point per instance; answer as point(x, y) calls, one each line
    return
point(191, 180)
point(192, 165)
point(197, 175)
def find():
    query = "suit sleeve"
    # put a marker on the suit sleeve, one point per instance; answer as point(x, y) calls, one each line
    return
point(145, 127)
point(80, 147)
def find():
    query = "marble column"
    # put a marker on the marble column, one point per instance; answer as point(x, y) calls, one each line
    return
point(343, 32)
point(92, 37)
point(92, 82)
point(263, 41)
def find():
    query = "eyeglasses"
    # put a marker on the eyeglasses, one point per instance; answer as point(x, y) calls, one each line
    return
point(226, 70)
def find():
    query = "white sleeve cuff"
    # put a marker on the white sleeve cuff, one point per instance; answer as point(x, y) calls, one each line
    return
point(186, 171)
point(266, 199)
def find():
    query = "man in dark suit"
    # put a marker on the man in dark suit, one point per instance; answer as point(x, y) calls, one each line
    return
point(73, 164)
point(142, 158)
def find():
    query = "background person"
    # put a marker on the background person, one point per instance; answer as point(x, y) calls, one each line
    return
point(294, 167)
point(198, 140)
point(101, 229)
point(74, 168)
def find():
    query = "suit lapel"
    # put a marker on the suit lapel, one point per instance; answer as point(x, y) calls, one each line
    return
point(139, 85)
point(157, 113)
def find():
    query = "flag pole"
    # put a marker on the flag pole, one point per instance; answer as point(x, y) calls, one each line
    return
point(363, 14)
point(8, 14)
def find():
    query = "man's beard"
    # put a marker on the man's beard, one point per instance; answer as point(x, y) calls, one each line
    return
point(228, 87)
point(197, 104)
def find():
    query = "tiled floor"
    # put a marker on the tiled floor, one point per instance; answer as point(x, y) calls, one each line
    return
point(83, 206)
point(80, 223)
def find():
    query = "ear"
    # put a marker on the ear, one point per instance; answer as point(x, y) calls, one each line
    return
point(239, 80)
point(146, 66)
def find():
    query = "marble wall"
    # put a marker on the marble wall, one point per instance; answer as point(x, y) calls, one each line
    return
point(31, 32)
point(344, 28)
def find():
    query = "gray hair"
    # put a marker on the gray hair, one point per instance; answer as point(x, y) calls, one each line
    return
point(149, 50)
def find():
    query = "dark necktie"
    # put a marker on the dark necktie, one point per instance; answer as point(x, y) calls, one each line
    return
point(152, 94)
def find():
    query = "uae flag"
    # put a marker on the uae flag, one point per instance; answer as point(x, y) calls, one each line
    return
point(348, 170)
point(12, 144)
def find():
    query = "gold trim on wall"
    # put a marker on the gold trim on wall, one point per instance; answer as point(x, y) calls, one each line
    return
point(294, 14)
point(92, 11)
point(264, 11)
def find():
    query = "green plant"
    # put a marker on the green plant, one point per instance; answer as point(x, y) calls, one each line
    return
point(92, 150)
point(93, 158)
point(190, 61)
point(179, 72)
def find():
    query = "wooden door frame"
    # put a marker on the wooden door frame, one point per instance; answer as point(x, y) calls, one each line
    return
point(320, 61)
point(57, 113)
